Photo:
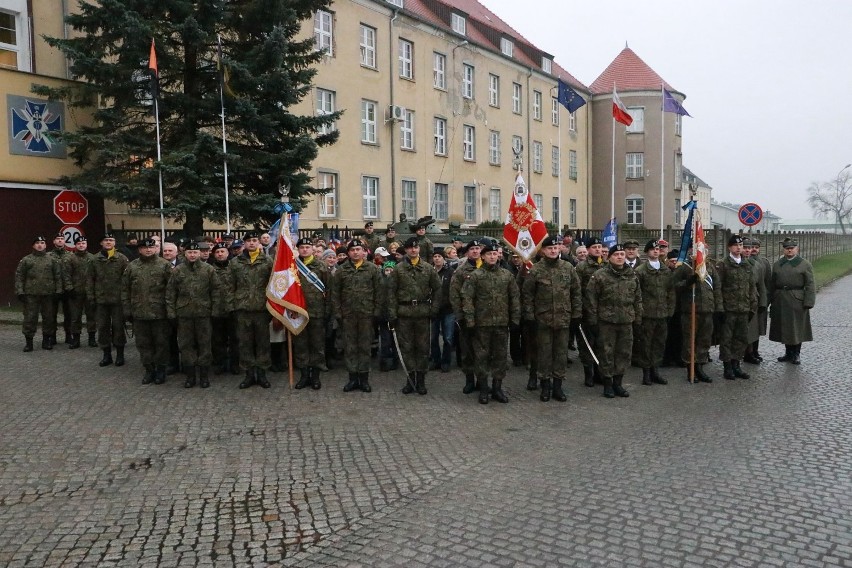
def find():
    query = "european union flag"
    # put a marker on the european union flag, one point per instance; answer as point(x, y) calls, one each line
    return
point(569, 98)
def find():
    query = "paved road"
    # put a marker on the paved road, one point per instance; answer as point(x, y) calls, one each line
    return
point(96, 469)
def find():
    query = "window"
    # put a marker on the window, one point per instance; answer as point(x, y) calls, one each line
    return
point(324, 32)
point(677, 211)
point(538, 199)
point(370, 196)
point(678, 124)
point(537, 105)
point(368, 122)
point(638, 124)
point(469, 143)
point(538, 159)
point(507, 47)
point(406, 131)
point(517, 144)
point(554, 161)
point(678, 175)
point(572, 121)
point(494, 210)
point(325, 105)
point(440, 136)
point(546, 65)
point(554, 112)
point(516, 98)
point(327, 186)
point(458, 23)
point(494, 90)
point(440, 201)
point(398, 3)
point(409, 198)
point(572, 212)
point(555, 217)
point(406, 59)
point(572, 164)
point(635, 165)
point(469, 204)
point(368, 46)
point(467, 81)
point(635, 205)
point(14, 36)
point(494, 148)
point(439, 70)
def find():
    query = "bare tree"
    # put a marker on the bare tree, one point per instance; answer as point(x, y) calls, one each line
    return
point(833, 198)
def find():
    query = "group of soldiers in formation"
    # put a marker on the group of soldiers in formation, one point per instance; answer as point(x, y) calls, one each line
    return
point(193, 305)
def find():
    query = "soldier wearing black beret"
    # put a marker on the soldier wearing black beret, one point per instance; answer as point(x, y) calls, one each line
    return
point(739, 298)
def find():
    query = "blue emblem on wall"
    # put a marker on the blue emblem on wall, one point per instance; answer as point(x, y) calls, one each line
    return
point(33, 126)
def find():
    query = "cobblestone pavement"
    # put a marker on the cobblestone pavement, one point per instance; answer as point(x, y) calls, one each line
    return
point(96, 469)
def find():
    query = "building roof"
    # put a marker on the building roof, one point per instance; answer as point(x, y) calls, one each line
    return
point(689, 177)
point(629, 73)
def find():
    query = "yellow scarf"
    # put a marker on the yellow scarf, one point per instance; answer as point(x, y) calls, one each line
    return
point(253, 255)
point(479, 263)
point(308, 260)
point(358, 264)
point(415, 261)
point(110, 253)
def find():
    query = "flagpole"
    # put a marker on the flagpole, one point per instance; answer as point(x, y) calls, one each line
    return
point(693, 316)
point(290, 356)
point(612, 189)
point(559, 182)
point(662, 160)
point(160, 171)
point(224, 137)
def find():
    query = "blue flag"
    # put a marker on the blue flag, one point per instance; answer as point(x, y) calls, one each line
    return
point(569, 98)
point(686, 239)
point(610, 233)
point(671, 104)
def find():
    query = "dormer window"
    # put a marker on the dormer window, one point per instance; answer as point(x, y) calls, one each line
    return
point(507, 47)
point(398, 3)
point(546, 65)
point(459, 24)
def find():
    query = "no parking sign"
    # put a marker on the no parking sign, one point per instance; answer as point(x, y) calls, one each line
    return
point(750, 214)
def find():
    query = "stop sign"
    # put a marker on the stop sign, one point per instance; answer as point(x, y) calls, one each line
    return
point(70, 207)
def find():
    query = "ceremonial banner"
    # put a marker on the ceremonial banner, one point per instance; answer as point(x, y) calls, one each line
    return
point(524, 230)
point(610, 233)
point(285, 299)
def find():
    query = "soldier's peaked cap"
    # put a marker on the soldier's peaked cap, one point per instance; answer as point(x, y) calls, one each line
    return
point(632, 243)
point(789, 242)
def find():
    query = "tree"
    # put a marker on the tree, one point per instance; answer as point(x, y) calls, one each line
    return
point(833, 198)
point(269, 69)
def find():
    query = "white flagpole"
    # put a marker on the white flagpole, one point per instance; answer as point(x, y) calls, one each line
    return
point(612, 190)
point(662, 160)
point(559, 145)
point(224, 138)
point(160, 169)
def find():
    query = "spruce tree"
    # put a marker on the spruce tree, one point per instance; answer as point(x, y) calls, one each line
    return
point(269, 68)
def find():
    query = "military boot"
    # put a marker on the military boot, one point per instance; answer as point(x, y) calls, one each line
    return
point(701, 375)
point(617, 388)
point(93, 342)
point(52, 338)
point(352, 384)
point(788, 354)
point(656, 378)
point(738, 372)
point(410, 381)
point(149, 375)
point(608, 391)
point(545, 390)
point(795, 357)
point(304, 379)
point(29, 344)
point(190, 376)
point(469, 383)
point(107, 360)
point(497, 391)
point(385, 364)
point(160, 374)
point(589, 376)
point(532, 383)
point(314, 372)
point(558, 394)
point(729, 371)
point(119, 355)
point(260, 373)
point(420, 385)
point(75, 341)
point(204, 377)
point(46, 343)
point(249, 379)
point(482, 385)
point(646, 377)
point(364, 382)
point(755, 350)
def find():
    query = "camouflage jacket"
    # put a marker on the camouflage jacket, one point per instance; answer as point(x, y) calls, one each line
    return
point(64, 259)
point(104, 278)
point(657, 285)
point(414, 291)
point(315, 300)
point(737, 286)
point(585, 271)
point(249, 280)
point(78, 270)
point(613, 296)
point(551, 293)
point(372, 241)
point(356, 292)
point(39, 274)
point(426, 248)
point(143, 288)
point(462, 274)
point(190, 291)
point(490, 298)
point(708, 297)
point(223, 303)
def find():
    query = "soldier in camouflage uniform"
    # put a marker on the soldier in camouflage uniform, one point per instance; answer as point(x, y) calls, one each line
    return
point(763, 280)
point(491, 303)
point(585, 270)
point(38, 280)
point(78, 266)
point(472, 252)
point(143, 297)
point(356, 304)
point(613, 305)
point(426, 246)
point(551, 300)
point(762, 317)
point(414, 296)
point(708, 301)
point(189, 301)
point(309, 345)
point(103, 287)
point(62, 301)
point(250, 273)
point(389, 238)
point(739, 304)
point(370, 238)
point(223, 322)
point(658, 301)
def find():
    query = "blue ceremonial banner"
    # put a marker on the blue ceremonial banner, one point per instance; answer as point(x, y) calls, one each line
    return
point(569, 98)
point(610, 233)
point(671, 104)
point(686, 239)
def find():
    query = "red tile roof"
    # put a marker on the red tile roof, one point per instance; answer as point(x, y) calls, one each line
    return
point(629, 73)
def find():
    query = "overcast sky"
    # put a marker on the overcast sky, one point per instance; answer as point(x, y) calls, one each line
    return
point(768, 82)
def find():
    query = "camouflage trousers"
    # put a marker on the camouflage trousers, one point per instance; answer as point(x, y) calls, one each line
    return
point(253, 334)
point(110, 319)
point(194, 341)
point(734, 338)
point(35, 305)
point(62, 302)
point(414, 336)
point(152, 341)
point(357, 332)
point(703, 335)
point(490, 348)
point(79, 305)
point(552, 352)
point(651, 341)
point(467, 361)
point(614, 345)
point(224, 339)
point(309, 346)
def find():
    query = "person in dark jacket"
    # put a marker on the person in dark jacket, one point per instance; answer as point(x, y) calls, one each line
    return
point(444, 324)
